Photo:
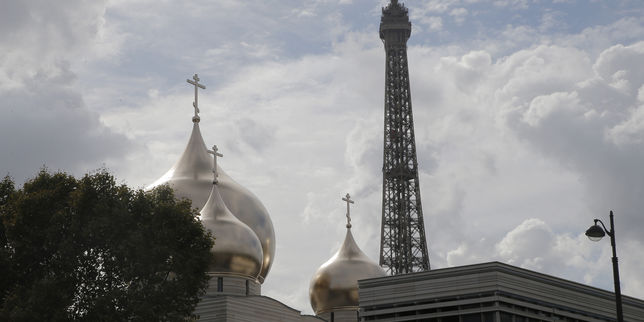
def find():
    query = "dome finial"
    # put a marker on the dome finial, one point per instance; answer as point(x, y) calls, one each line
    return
point(215, 153)
point(348, 201)
point(195, 104)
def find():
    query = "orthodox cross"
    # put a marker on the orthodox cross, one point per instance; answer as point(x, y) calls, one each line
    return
point(349, 201)
point(195, 104)
point(215, 153)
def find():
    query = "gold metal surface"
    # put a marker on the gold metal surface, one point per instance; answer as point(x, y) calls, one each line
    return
point(237, 249)
point(247, 207)
point(191, 178)
point(335, 284)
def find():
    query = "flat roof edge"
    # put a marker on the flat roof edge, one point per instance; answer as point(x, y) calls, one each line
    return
point(496, 267)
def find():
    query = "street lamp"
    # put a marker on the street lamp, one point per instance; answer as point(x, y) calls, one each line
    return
point(595, 233)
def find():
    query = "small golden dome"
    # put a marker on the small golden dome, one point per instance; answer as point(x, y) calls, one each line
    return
point(335, 284)
point(247, 207)
point(237, 250)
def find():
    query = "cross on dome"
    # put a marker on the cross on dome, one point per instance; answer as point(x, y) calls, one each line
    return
point(348, 201)
point(195, 104)
point(215, 153)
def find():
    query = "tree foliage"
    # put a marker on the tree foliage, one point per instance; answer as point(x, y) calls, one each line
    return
point(89, 249)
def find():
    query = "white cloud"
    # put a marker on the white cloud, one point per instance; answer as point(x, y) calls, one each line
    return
point(520, 4)
point(527, 245)
point(563, 103)
point(39, 37)
point(630, 131)
point(543, 106)
point(434, 6)
point(552, 20)
point(458, 14)
point(572, 127)
point(434, 23)
point(43, 116)
point(621, 66)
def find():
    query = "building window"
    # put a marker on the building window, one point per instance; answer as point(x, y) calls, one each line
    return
point(247, 286)
point(220, 284)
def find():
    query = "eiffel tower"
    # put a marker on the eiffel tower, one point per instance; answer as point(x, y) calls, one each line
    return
point(403, 246)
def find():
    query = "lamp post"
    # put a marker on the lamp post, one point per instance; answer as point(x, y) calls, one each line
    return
point(595, 233)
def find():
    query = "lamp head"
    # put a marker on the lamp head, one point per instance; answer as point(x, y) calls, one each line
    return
point(595, 233)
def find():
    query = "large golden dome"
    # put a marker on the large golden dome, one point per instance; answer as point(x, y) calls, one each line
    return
point(237, 250)
point(191, 177)
point(335, 284)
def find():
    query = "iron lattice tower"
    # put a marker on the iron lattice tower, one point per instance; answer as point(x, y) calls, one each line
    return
point(403, 246)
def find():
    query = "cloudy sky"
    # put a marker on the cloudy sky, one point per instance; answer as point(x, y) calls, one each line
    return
point(529, 117)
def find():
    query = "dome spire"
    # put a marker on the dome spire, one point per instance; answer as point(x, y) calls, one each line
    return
point(348, 200)
point(195, 104)
point(215, 153)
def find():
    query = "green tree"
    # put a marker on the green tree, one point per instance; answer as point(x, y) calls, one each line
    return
point(89, 249)
point(6, 274)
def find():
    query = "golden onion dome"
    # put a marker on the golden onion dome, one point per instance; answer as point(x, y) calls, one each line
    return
point(237, 250)
point(247, 207)
point(335, 284)
point(191, 178)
